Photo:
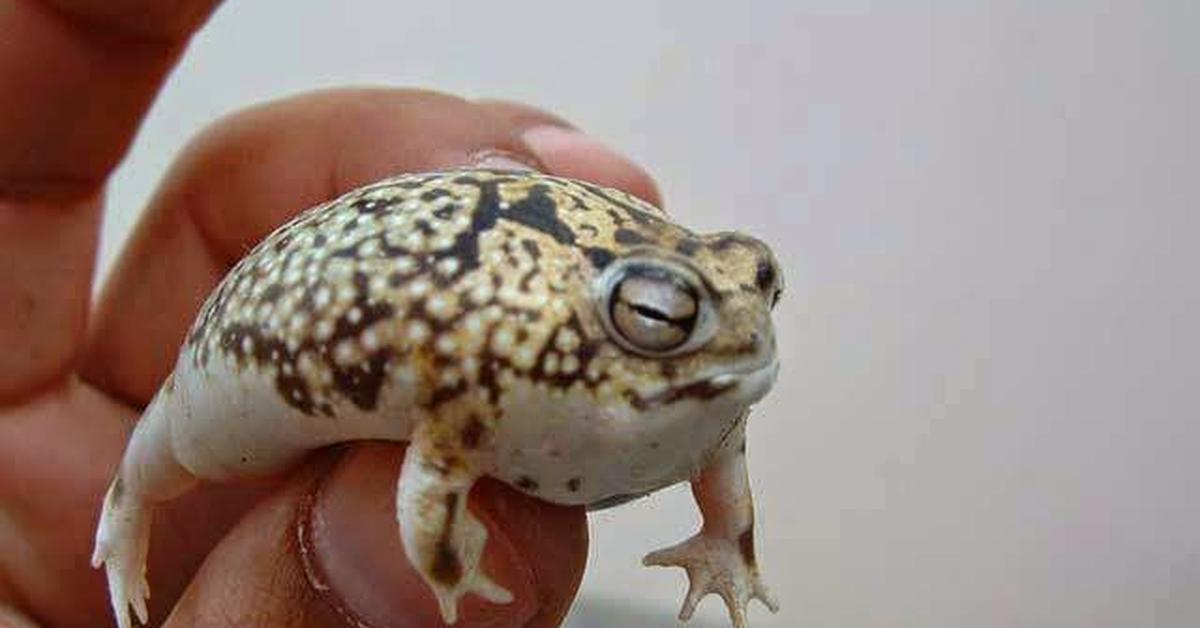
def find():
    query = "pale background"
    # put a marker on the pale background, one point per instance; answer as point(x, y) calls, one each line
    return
point(987, 216)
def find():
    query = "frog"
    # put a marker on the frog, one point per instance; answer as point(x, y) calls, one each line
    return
point(568, 339)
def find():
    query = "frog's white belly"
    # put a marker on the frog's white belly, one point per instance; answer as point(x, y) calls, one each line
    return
point(571, 450)
point(229, 422)
point(578, 453)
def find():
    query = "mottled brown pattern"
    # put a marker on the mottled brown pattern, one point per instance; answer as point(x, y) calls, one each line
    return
point(459, 281)
point(702, 390)
point(473, 432)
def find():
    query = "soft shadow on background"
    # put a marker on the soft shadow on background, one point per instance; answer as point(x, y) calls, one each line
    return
point(590, 612)
point(987, 216)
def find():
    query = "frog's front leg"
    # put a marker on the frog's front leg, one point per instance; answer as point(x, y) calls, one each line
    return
point(720, 558)
point(443, 540)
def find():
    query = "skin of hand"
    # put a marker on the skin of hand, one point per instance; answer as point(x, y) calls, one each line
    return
point(317, 547)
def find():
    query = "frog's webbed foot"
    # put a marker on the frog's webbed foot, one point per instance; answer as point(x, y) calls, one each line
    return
point(443, 540)
point(122, 541)
point(715, 565)
point(720, 559)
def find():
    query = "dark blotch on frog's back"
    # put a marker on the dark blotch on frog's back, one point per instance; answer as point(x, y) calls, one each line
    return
point(599, 257)
point(628, 237)
point(687, 247)
point(473, 432)
point(539, 211)
point(358, 383)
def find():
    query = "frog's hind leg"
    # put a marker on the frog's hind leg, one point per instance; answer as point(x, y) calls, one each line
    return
point(148, 474)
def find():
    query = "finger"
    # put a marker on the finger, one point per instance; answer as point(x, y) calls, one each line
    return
point(251, 172)
point(326, 551)
point(68, 118)
point(76, 77)
point(568, 152)
point(46, 255)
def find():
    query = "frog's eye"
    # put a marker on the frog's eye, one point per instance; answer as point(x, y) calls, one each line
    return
point(654, 308)
point(654, 313)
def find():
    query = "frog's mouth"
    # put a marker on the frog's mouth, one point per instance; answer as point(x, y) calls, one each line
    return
point(750, 384)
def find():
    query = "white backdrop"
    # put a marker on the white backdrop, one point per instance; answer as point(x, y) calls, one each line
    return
point(987, 215)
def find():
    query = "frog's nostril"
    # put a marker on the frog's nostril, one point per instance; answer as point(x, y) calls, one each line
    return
point(755, 339)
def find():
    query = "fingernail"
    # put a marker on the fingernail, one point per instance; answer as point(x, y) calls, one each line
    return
point(503, 160)
point(354, 556)
point(555, 140)
point(570, 153)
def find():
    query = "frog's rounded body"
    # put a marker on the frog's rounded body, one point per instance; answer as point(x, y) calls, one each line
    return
point(569, 452)
point(567, 339)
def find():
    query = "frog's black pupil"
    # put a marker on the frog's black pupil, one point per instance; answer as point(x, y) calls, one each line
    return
point(651, 313)
point(764, 277)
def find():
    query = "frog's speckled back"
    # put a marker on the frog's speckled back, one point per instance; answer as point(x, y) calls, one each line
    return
point(460, 279)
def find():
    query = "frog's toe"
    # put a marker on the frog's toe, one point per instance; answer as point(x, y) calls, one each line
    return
point(762, 594)
point(122, 541)
point(126, 591)
point(472, 537)
point(486, 588)
point(479, 584)
point(699, 586)
point(714, 565)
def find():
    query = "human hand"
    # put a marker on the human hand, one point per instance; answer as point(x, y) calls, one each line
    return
point(319, 546)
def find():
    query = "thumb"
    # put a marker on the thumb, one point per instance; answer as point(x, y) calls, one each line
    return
point(325, 551)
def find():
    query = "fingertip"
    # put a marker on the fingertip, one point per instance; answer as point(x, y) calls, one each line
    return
point(571, 153)
point(357, 562)
point(553, 539)
point(566, 151)
point(324, 550)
